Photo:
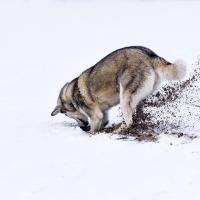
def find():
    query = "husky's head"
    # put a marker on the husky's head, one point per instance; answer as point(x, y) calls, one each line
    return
point(66, 107)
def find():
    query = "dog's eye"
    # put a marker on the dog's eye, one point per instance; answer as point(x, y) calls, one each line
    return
point(68, 107)
point(71, 107)
point(63, 110)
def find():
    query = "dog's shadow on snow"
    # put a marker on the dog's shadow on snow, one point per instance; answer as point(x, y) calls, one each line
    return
point(63, 125)
point(69, 124)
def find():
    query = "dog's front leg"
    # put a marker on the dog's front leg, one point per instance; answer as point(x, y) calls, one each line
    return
point(96, 124)
point(96, 121)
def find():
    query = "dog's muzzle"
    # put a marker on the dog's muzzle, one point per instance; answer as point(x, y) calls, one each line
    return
point(85, 126)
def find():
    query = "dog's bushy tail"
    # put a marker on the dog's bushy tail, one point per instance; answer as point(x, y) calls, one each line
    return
point(172, 71)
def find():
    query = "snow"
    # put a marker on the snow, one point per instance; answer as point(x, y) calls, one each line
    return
point(44, 44)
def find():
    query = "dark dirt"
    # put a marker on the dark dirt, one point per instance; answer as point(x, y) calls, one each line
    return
point(148, 126)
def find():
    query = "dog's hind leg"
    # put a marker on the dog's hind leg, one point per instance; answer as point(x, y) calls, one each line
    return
point(146, 88)
point(125, 103)
point(137, 90)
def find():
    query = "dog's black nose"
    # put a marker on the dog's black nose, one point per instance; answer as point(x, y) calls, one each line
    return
point(85, 128)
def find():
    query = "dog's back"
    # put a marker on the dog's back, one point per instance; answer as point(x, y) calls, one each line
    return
point(102, 80)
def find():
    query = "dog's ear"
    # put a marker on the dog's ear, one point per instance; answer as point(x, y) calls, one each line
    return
point(56, 110)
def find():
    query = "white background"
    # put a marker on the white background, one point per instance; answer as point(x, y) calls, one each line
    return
point(44, 44)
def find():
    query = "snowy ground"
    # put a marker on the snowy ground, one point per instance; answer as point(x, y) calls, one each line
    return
point(43, 44)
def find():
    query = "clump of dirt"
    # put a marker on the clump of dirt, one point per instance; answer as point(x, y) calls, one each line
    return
point(173, 110)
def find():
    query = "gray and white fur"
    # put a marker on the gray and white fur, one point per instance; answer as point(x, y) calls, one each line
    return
point(125, 76)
